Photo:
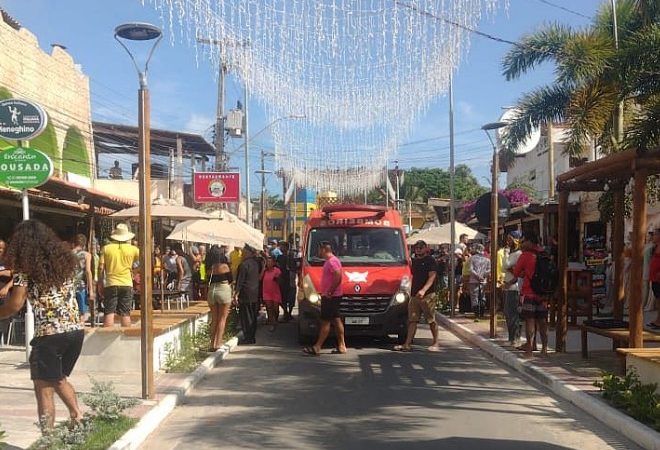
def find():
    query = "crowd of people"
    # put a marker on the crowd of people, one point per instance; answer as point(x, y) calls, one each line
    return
point(62, 279)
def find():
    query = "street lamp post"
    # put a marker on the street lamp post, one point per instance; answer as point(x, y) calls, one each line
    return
point(494, 226)
point(144, 32)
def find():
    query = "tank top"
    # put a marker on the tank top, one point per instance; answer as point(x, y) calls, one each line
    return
point(79, 274)
point(221, 277)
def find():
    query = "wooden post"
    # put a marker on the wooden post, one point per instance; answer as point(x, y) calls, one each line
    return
point(617, 252)
point(562, 243)
point(639, 234)
point(91, 248)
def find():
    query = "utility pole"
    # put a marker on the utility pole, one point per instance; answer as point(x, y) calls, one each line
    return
point(396, 172)
point(219, 141)
point(551, 162)
point(285, 222)
point(452, 211)
point(248, 199)
point(263, 192)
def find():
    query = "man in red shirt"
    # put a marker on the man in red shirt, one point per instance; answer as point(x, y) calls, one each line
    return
point(534, 308)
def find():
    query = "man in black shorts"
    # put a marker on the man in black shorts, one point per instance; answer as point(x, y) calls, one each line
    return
point(331, 293)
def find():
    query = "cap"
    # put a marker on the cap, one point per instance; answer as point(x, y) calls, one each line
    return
point(516, 234)
point(420, 243)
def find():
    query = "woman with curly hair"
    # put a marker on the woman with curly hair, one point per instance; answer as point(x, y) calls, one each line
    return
point(44, 268)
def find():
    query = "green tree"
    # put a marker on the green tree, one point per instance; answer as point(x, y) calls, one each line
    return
point(422, 183)
point(592, 77)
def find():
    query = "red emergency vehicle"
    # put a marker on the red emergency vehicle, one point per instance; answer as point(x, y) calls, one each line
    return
point(371, 244)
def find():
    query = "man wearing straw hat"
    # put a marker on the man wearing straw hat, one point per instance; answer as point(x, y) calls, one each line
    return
point(115, 267)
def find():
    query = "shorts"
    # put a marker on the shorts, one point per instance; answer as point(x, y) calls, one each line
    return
point(534, 308)
point(330, 307)
point(118, 300)
point(655, 286)
point(81, 298)
point(417, 306)
point(54, 356)
point(219, 293)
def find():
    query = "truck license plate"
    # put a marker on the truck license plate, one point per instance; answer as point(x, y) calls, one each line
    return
point(356, 321)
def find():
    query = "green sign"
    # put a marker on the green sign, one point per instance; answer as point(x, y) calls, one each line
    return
point(24, 167)
point(21, 120)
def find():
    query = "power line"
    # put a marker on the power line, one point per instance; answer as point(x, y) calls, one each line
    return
point(563, 8)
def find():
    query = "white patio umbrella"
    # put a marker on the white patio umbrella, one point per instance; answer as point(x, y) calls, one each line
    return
point(217, 231)
point(442, 234)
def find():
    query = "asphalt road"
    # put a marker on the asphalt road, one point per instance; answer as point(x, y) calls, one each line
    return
point(271, 396)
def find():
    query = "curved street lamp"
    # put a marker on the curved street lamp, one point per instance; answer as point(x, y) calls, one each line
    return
point(494, 207)
point(246, 143)
point(144, 32)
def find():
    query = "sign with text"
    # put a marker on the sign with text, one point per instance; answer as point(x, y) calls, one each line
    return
point(21, 120)
point(216, 187)
point(24, 168)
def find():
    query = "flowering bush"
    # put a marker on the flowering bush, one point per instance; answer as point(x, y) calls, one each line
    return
point(516, 197)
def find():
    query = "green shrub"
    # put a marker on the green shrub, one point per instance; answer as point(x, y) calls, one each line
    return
point(231, 327)
point(105, 403)
point(629, 394)
point(98, 429)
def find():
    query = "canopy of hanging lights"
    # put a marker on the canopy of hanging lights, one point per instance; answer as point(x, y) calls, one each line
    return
point(360, 72)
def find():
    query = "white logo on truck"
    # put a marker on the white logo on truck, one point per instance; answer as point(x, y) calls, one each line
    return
point(357, 277)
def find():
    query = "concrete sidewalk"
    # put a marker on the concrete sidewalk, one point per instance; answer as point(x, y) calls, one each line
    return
point(18, 408)
point(566, 374)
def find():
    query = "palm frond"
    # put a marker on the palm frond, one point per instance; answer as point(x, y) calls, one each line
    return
point(639, 62)
point(534, 49)
point(585, 57)
point(540, 106)
point(590, 110)
point(644, 130)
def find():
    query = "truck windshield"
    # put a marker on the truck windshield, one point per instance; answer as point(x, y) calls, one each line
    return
point(359, 246)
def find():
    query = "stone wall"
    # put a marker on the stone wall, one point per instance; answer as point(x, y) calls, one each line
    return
point(58, 85)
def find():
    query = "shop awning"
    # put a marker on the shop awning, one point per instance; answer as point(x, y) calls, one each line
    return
point(65, 190)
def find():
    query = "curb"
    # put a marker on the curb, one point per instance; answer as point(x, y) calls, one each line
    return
point(627, 426)
point(134, 437)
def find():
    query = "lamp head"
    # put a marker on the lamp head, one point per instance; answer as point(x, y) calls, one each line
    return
point(494, 126)
point(138, 31)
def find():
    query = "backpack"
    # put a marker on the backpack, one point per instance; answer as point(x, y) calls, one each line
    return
point(546, 275)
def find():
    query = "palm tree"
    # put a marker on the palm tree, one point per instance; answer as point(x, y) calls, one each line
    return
point(592, 79)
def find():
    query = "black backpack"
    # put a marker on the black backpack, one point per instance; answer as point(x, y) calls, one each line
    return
point(546, 275)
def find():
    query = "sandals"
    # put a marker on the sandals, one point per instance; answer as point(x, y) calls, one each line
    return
point(653, 326)
point(310, 351)
point(336, 351)
point(402, 348)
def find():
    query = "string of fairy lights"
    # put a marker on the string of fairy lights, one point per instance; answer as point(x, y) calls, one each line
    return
point(360, 72)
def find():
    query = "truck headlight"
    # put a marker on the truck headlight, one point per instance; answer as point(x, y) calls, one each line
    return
point(400, 297)
point(314, 298)
point(406, 284)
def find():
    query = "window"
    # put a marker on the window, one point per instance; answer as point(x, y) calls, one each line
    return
point(359, 246)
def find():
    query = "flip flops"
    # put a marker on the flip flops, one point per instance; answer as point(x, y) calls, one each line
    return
point(336, 351)
point(653, 326)
point(310, 351)
point(401, 348)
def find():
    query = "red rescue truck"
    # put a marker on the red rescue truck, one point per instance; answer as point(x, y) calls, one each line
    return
point(371, 244)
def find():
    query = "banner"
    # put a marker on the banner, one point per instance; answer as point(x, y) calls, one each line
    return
point(216, 187)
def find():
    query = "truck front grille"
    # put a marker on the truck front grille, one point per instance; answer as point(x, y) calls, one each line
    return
point(364, 304)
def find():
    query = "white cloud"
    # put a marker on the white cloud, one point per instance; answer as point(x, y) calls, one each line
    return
point(198, 123)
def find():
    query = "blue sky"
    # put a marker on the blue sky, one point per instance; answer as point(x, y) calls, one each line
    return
point(183, 92)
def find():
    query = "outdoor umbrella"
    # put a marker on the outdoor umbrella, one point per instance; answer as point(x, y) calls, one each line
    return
point(442, 234)
point(232, 233)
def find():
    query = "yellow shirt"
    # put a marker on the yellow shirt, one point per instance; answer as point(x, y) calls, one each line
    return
point(501, 257)
point(117, 260)
point(235, 258)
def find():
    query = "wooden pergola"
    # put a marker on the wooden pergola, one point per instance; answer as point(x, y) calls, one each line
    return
point(612, 173)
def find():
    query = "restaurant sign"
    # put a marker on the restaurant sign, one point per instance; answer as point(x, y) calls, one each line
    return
point(24, 168)
point(21, 120)
point(216, 187)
